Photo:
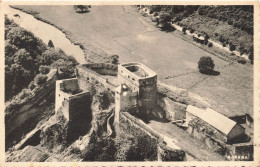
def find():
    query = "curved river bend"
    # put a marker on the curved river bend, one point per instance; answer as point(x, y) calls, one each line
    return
point(46, 32)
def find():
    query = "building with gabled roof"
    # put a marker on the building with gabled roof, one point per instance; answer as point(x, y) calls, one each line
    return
point(227, 127)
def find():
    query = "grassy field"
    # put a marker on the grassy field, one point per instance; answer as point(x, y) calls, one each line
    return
point(121, 30)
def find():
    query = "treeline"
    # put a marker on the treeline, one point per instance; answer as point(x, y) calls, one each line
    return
point(28, 60)
point(240, 16)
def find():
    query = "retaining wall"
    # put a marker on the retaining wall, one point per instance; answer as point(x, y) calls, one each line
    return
point(173, 110)
point(155, 141)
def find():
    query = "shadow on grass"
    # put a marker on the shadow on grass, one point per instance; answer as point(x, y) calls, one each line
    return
point(168, 28)
point(81, 12)
point(212, 72)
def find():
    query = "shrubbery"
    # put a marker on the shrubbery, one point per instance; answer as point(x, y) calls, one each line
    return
point(40, 79)
point(44, 69)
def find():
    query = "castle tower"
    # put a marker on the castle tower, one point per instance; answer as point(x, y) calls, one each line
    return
point(143, 81)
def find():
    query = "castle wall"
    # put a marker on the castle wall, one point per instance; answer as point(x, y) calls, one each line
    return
point(86, 76)
point(128, 78)
point(124, 102)
point(147, 94)
point(60, 97)
point(102, 66)
point(173, 110)
point(155, 141)
point(79, 103)
point(74, 102)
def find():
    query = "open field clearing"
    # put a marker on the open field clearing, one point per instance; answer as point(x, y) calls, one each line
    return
point(121, 30)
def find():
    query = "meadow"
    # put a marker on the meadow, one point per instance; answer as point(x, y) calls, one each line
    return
point(122, 31)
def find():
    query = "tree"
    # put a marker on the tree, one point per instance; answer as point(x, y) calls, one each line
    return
point(115, 59)
point(206, 64)
point(184, 30)
point(232, 47)
point(23, 58)
point(66, 67)
point(50, 55)
point(44, 69)
point(210, 44)
point(83, 8)
point(164, 19)
point(50, 44)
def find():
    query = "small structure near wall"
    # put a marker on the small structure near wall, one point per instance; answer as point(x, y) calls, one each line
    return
point(221, 127)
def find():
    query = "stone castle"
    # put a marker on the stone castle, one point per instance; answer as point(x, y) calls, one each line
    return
point(134, 87)
point(135, 90)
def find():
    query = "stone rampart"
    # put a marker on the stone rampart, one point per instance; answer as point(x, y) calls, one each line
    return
point(156, 142)
point(102, 68)
point(86, 76)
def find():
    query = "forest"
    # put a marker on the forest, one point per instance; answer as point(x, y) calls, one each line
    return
point(28, 60)
point(232, 25)
point(238, 16)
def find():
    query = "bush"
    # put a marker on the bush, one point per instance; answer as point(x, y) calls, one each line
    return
point(192, 30)
point(31, 85)
point(114, 59)
point(40, 79)
point(25, 93)
point(210, 44)
point(184, 30)
point(232, 47)
point(75, 150)
point(44, 69)
point(242, 61)
point(50, 44)
point(206, 64)
point(155, 14)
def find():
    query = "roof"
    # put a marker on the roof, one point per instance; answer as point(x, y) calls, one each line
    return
point(141, 66)
point(215, 119)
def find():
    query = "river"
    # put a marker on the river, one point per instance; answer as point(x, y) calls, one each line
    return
point(46, 32)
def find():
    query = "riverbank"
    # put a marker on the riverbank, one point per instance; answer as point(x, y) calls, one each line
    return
point(89, 50)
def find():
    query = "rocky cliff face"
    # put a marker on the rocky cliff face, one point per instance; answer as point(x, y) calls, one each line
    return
point(57, 140)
